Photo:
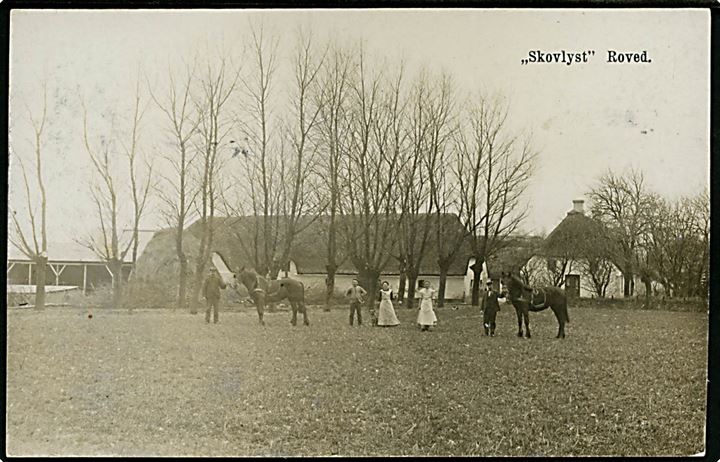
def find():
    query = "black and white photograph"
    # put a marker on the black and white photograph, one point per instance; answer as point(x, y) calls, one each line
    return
point(358, 232)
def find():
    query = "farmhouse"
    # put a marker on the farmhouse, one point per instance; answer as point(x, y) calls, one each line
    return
point(234, 239)
point(577, 255)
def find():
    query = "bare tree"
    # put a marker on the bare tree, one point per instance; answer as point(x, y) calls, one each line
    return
point(599, 271)
point(492, 170)
point(701, 206)
point(334, 126)
point(33, 243)
point(263, 167)
point(449, 232)
point(415, 203)
point(429, 130)
point(108, 191)
point(301, 198)
point(675, 248)
point(375, 157)
point(282, 179)
point(139, 187)
point(449, 235)
point(217, 86)
point(620, 203)
point(558, 267)
point(177, 193)
point(535, 272)
point(105, 193)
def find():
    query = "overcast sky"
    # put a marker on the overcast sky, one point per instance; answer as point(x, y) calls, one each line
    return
point(584, 118)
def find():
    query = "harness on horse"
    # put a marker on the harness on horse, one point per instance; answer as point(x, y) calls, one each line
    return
point(534, 293)
point(257, 286)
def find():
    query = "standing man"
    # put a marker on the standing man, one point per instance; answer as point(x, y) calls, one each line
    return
point(356, 296)
point(490, 308)
point(211, 291)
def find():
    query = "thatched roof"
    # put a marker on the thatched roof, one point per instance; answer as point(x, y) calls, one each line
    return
point(577, 236)
point(235, 237)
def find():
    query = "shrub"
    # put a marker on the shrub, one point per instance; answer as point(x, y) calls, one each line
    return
point(638, 303)
point(156, 294)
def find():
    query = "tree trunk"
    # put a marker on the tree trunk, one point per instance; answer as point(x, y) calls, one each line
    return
point(40, 270)
point(597, 289)
point(477, 273)
point(648, 290)
point(182, 282)
point(329, 285)
point(200, 269)
point(331, 266)
point(195, 294)
point(627, 283)
point(368, 279)
point(412, 285)
point(690, 289)
point(443, 283)
point(201, 266)
point(401, 287)
point(116, 270)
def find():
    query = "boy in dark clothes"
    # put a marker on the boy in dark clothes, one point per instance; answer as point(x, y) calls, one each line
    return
point(490, 308)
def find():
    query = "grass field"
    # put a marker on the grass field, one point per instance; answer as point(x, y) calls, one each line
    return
point(161, 383)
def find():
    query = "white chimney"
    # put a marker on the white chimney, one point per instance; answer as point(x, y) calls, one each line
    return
point(578, 206)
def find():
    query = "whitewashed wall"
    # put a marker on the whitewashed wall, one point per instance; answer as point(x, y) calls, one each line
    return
point(315, 283)
point(614, 289)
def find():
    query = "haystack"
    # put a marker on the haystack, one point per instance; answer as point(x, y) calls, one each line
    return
point(159, 260)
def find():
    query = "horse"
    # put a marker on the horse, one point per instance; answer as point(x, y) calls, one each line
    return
point(526, 298)
point(263, 291)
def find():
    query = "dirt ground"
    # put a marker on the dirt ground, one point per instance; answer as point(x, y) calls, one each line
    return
point(156, 382)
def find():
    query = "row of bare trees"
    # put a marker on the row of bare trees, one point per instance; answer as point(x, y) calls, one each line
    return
point(382, 158)
point(392, 164)
point(663, 243)
point(657, 239)
point(119, 170)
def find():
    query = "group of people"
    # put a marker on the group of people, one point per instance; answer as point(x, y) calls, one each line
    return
point(426, 317)
point(385, 316)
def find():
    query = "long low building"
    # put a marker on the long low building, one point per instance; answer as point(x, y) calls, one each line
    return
point(233, 237)
point(69, 264)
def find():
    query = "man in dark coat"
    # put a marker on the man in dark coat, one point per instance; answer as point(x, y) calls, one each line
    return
point(211, 291)
point(490, 308)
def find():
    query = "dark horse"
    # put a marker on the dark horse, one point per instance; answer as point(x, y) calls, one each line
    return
point(525, 299)
point(263, 291)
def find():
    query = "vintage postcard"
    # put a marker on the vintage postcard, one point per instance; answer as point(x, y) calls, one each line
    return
point(358, 232)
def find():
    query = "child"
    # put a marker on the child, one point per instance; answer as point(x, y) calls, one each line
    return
point(490, 308)
point(356, 295)
point(426, 316)
point(386, 316)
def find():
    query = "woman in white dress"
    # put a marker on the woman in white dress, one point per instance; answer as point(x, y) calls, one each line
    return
point(426, 316)
point(386, 312)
